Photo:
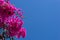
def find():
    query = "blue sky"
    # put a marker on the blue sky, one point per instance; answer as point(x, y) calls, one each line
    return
point(42, 18)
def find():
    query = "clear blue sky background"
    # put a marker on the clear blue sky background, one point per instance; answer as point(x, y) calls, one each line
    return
point(42, 18)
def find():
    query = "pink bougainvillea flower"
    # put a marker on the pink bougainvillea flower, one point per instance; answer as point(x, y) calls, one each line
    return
point(1, 22)
point(14, 25)
point(6, 12)
point(1, 2)
point(19, 12)
point(6, 9)
point(22, 32)
point(9, 21)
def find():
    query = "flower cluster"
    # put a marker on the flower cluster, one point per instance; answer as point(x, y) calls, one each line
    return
point(9, 21)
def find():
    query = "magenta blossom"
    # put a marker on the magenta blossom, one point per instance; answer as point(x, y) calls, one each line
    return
point(9, 21)
point(6, 9)
point(22, 32)
point(14, 25)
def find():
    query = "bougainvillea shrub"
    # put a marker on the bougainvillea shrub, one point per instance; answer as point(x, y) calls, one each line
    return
point(10, 23)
